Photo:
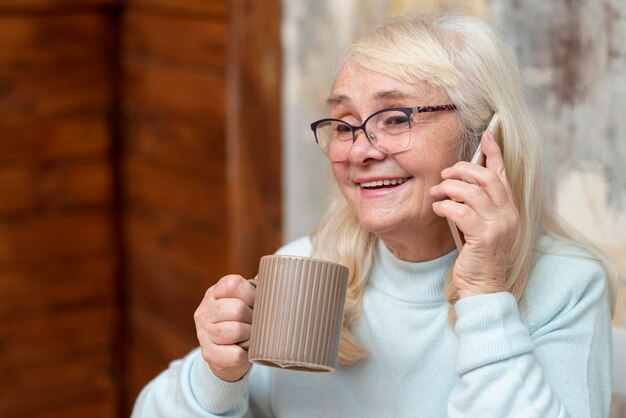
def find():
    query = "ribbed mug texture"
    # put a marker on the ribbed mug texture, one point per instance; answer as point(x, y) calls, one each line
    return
point(298, 312)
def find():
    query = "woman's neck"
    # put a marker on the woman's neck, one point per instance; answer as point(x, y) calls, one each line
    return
point(419, 244)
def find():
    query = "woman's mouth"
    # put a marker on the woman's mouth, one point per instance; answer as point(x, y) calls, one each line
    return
point(383, 184)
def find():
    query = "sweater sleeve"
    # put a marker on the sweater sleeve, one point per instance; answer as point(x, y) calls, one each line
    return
point(188, 388)
point(556, 364)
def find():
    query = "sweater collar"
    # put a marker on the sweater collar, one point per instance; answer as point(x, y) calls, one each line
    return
point(408, 281)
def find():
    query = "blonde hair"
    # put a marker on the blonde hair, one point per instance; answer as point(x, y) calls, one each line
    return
point(463, 57)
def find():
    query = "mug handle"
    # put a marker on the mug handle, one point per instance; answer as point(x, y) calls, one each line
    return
point(246, 344)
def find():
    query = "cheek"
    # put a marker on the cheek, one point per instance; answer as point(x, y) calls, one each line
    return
point(424, 167)
point(339, 173)
point(429, 160)
point(342, 178)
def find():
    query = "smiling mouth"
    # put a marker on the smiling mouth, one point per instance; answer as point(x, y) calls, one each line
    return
point(382, 184)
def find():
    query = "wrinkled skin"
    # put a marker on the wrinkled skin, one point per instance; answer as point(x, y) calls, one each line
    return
point(408, 217)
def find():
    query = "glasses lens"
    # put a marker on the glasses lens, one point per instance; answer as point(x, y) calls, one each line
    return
point(335, 139)
point(389, 131)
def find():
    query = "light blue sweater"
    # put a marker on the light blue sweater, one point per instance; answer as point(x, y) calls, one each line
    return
point(552, 361)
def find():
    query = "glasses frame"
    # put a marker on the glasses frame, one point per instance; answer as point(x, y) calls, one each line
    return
point(408, 111)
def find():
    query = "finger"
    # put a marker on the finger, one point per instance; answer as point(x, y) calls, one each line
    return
point(486, 178)
point(464, 171)
point(492, 151)
point(235, 286)
point(468, 193)
point(493, 155)
point(229, 332)
point(230, 309)
point(465, 218)
point(223, 357)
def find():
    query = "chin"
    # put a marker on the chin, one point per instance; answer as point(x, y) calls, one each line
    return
point(377, 225)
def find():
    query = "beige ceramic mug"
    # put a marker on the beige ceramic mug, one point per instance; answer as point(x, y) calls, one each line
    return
point(298, 313)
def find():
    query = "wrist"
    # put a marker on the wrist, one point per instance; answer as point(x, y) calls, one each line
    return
point(468, 289)
point(230, 375)
point(212, 393)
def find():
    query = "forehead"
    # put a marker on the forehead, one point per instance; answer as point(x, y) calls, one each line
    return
point(355, 83)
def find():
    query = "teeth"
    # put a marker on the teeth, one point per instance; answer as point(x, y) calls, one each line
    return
point(379, 183)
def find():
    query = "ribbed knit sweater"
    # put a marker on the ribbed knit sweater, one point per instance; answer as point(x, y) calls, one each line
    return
point(547, 357)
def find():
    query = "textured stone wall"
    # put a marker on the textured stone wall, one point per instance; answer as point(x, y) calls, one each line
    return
point(573, 56)
point(573, 60)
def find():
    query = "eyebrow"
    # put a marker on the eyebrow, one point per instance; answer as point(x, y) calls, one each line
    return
point(387, 94)
point(393, 94)
point(337, 99)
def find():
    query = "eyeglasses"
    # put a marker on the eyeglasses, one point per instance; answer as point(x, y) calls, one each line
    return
point(388, 130)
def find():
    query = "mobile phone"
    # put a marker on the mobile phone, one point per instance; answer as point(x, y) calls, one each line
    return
point(477, 158)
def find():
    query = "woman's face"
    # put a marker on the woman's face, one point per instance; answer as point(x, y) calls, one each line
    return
point(401, 214)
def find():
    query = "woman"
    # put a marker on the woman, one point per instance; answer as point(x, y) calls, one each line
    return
point(516, 323)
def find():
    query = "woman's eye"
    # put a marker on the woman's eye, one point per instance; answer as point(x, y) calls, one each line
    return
point(396, 120)
point(343, 129)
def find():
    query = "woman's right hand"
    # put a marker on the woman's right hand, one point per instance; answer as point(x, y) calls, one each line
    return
point(222, 320)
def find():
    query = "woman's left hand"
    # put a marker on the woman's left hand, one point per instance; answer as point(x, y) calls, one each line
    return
point(479, 201)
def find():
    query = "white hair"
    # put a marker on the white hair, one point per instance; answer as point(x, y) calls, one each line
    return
point(463, 57)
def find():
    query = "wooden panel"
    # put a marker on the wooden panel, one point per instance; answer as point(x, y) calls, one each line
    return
point(193, 146)
point(55, 90)
point(204, 8)
point(59, 290)
point(65, 137)
point(192, 247)
point(195, 198)
point(163, 338)
point(36, 289)
point(176, 218)
point(44, 40)
point(74, 184)
point(142, 364)
point(55, 186)
point(165, 344)
point(60, 334)
point(152, 277)
point(173, 90)
point(55, 236)
point(255, 134)
point(199, 87)
point(190, 40)
point(58, 361)
point(102, 406)
point(30, 6)
point(12, 180)
point(60, 388)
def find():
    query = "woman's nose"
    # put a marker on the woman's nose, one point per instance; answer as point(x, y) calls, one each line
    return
point(363, 150)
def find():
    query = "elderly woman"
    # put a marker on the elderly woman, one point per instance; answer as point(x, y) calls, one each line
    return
point(514, 324)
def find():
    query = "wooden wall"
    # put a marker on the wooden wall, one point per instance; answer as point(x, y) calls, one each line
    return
point(58, 255)
point(139, 162)
point(201, 162)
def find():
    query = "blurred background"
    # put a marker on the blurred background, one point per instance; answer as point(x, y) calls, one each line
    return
point(148, 147)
